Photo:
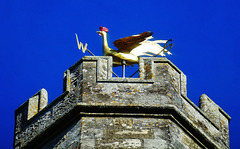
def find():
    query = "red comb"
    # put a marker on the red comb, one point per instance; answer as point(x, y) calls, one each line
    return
point(103, 29)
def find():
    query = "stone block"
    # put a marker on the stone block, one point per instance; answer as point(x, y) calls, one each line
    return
point(97, 110)
point(30, 108)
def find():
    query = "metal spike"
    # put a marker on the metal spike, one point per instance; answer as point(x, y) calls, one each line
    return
point(123, 65)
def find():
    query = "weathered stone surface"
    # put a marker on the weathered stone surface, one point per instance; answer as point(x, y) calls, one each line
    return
point(97, 110)
point(217, 115)
point(30, 108)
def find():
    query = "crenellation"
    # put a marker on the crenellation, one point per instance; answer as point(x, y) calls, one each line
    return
point(213, 111)
point(97, 110)
point(217, 115)
point(29, 109)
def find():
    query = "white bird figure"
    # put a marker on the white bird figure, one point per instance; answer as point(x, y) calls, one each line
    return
point(130, 48)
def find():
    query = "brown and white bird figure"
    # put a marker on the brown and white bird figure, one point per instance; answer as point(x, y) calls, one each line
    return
point(130, 48)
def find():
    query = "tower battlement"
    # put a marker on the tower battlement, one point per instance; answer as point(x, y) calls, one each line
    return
point(97, 110)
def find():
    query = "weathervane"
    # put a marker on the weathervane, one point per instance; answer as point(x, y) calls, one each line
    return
point(130, 48)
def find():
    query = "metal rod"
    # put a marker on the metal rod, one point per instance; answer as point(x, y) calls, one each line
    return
point(115, 74)
point(134, 73)
point(90, 52)
point(123, 65)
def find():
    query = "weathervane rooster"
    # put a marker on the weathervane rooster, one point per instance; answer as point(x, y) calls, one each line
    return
point(130, 48)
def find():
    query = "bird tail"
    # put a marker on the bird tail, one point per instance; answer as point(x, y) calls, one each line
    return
point(151, 48)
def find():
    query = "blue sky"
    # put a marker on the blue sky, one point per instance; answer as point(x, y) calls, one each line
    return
point(38, 44)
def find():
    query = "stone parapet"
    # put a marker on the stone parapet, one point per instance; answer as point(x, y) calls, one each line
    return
point(98, 110)
point(29, 109)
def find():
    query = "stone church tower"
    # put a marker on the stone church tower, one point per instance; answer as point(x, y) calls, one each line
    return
point(99, 111)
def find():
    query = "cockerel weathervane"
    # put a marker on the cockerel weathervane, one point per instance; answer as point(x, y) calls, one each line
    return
point(130, 48)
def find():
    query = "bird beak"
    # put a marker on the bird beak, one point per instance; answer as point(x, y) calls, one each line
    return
point(99, 32)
